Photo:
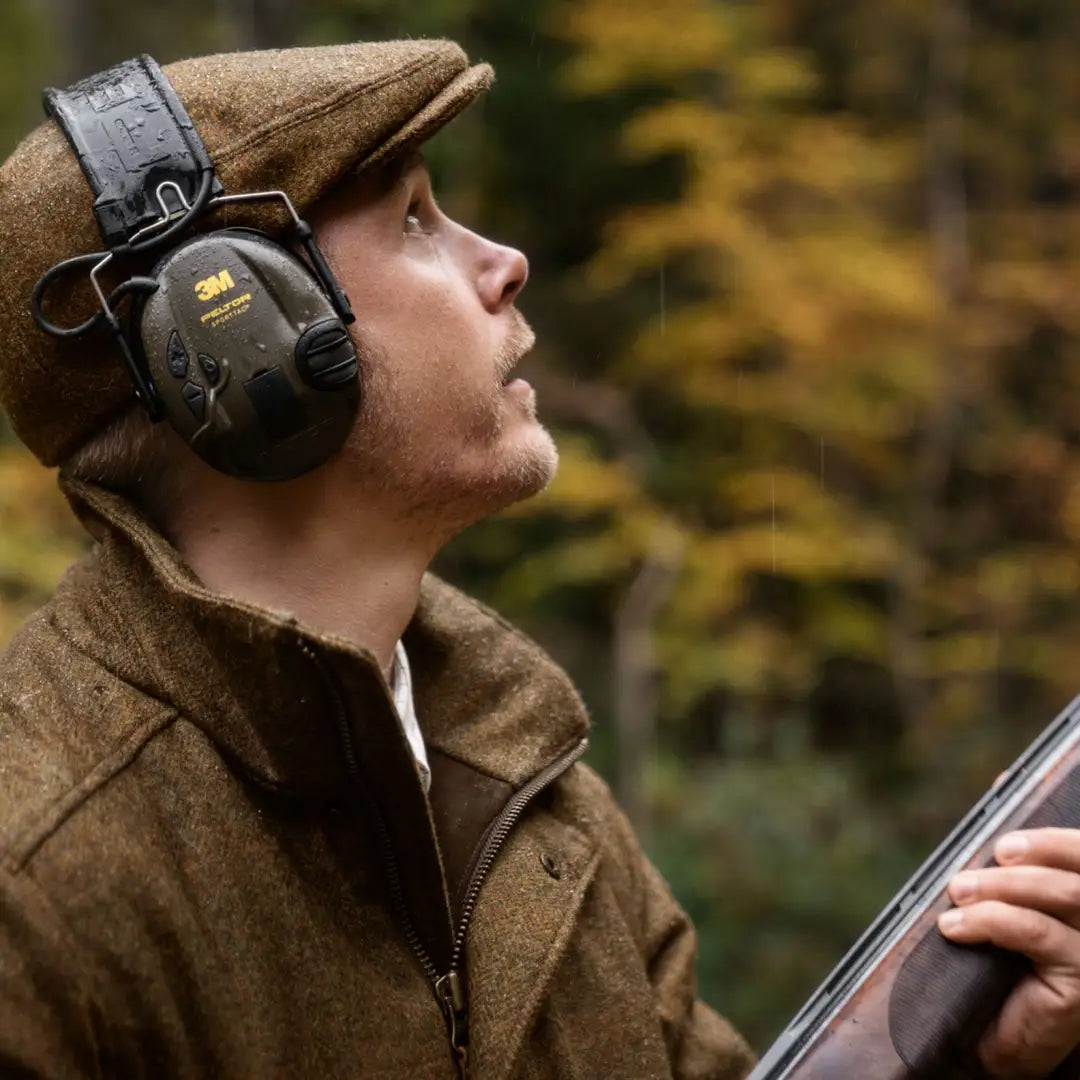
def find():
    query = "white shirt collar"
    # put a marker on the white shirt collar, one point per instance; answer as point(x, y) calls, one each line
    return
point(401, 686)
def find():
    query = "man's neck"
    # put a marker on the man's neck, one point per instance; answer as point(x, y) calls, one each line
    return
point(338, 570)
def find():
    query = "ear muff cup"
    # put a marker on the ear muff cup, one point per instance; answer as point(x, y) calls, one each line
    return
point(249, 361)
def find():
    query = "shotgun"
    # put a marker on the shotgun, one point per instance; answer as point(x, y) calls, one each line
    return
point(905, 1003)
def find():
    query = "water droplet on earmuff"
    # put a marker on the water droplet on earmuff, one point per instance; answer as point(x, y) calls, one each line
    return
point(260, 346)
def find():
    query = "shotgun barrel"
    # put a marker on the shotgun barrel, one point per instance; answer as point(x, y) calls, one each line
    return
point(905, 1002)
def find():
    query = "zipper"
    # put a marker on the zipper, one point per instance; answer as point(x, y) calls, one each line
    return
point(496, 836)
point(450, 988)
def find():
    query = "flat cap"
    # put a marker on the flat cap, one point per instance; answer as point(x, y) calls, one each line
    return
point(294, 119)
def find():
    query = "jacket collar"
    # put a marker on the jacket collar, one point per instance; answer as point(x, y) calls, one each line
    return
point(281, 700)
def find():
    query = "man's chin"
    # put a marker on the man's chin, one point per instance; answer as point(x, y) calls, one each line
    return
point(451, 498)
point(522, 471)
point(526, 469)
point(547, 458)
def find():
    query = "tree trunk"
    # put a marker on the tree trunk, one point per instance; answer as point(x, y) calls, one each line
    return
point(260, 24)
point(79, 28)
point(634, 675)
point(947, 212)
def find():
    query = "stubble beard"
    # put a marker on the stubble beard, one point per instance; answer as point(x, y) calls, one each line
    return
point(400, 472)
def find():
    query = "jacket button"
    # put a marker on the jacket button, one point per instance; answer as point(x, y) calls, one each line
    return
point(550, 865)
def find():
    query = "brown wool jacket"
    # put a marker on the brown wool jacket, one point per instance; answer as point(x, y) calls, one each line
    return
point(216, 858)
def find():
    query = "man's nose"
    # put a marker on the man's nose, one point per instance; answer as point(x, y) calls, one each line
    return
point(503, 272)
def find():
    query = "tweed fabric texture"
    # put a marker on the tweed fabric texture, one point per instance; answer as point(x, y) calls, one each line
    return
point(192, 885)
point(292, 119)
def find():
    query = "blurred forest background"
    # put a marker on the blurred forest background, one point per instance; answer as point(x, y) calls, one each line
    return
point(805, 279)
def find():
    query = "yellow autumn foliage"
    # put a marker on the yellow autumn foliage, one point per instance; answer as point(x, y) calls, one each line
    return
point(39, 536)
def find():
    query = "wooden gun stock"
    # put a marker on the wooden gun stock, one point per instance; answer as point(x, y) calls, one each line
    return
point(905, 1002)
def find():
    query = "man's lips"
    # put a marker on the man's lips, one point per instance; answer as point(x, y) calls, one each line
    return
point(518, 387)
point(507, 376)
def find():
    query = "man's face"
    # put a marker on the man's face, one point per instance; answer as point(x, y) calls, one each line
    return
point(445, 432)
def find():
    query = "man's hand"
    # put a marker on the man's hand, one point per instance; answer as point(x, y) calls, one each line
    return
point(1030, 903)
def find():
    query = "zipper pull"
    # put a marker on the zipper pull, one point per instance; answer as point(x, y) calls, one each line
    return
point(450, 990)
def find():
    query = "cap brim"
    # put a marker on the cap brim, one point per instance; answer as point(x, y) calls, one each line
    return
point(454, 98)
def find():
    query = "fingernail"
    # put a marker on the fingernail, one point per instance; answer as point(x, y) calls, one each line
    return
point(1011, 847)
point(964, 886)
point(950, 920)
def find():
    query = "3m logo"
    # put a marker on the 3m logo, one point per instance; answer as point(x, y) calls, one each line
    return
point(210, 287)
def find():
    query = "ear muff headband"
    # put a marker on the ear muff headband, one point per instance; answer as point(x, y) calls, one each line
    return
point(239, 343)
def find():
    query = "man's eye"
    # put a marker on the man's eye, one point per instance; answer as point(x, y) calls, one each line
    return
point(412, 219)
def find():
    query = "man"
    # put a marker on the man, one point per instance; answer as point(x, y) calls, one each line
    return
point(276, 802)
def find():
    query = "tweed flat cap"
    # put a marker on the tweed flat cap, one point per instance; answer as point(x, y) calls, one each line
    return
point(294, 119)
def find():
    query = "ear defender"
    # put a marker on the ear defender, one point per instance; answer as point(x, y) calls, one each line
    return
point(247, 356)
point(235, 340)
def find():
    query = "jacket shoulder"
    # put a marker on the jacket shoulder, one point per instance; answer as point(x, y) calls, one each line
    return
point(584, 798)
point(700, 1043)
point(67, 725)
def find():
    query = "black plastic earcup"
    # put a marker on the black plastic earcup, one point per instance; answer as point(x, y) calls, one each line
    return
point(250, 360)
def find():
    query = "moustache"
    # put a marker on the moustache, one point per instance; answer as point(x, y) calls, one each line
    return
point(518, 343)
